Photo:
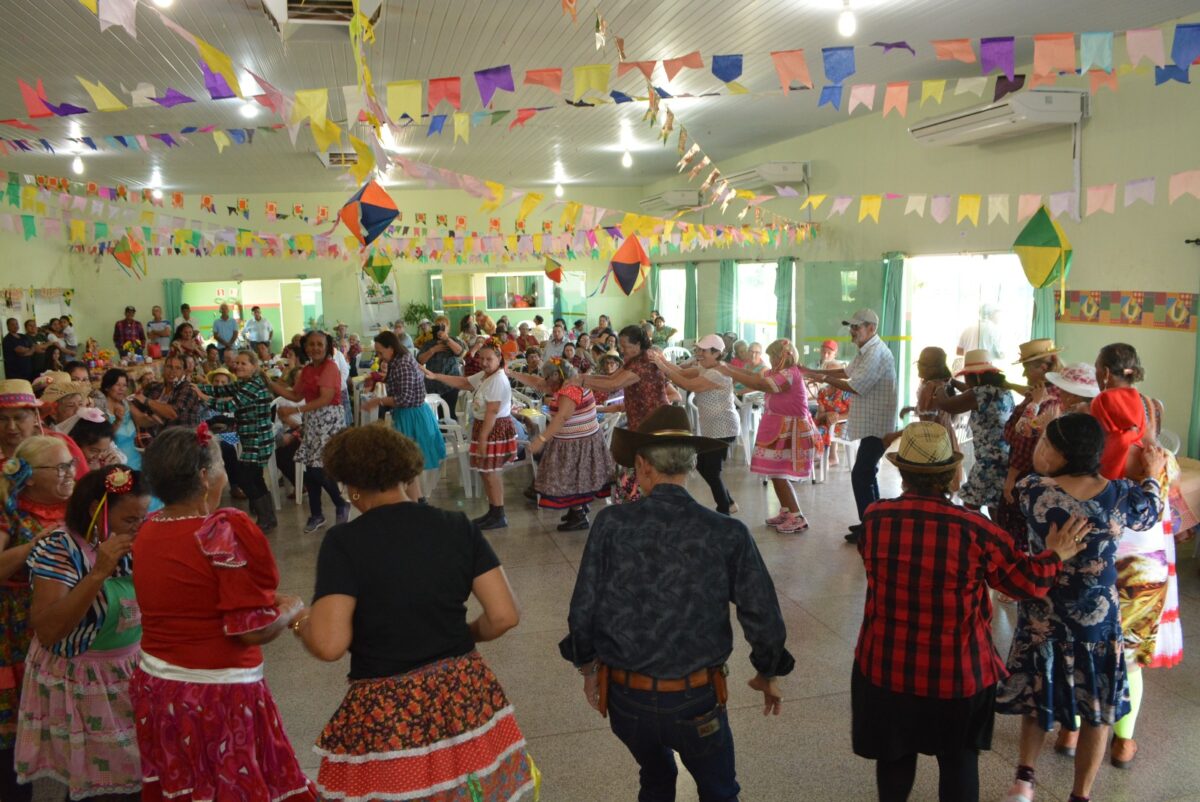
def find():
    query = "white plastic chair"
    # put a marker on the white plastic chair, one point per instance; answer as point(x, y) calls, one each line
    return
point(750, 408)
point(457, 443)
point(610, 422)
point(1169, 441)
point(693, 411)
point(677, 354)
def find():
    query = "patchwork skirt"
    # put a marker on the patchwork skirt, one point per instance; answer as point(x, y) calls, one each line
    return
point(500, 448)
point(444, 732)
point(784, 447)
point(574, 471)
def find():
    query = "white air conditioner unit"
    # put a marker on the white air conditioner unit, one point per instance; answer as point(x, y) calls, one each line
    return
point(770, 174)
point(337, 159)
point(1013, 115)
point(672, 200)
point(317, 20)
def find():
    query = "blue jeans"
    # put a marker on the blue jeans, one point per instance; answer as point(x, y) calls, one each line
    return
point(864, 476)
point(654, 724)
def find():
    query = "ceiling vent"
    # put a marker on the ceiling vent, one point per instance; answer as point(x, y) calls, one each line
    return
point(1014, 115)
point(317, 20)
point(770, 174)
point(672, 200)
point(337, 159)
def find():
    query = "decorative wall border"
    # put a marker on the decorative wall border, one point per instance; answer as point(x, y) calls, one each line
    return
point(1143, 309)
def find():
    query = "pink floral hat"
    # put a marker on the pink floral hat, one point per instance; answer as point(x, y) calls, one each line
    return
point(1077, 378)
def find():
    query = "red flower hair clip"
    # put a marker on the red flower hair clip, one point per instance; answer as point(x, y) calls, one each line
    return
point(119, 481)
point(203, 435)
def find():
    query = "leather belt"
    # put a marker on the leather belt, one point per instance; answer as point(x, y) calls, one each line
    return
point(641, 682)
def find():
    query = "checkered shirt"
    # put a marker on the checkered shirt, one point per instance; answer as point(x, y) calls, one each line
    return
point(252, 411)
point(872, 374)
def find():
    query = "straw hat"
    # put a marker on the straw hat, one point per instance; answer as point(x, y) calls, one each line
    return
point(667, 425)
point(978, 361)
point(221, 371)
point(613, 353)
point(17, 394)
point(1035, 350)
point(925, 447)
point(1078, 378)
point(58, 390)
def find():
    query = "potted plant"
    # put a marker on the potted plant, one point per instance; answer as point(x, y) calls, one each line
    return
point(415, 312)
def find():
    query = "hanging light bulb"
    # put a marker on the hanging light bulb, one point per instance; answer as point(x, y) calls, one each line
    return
point(77, 166)
point(627, 160)
point(157, 193)
point(847, 24)
point(558, 190)
point(249, 109)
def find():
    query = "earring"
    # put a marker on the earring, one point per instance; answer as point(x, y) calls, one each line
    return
point(355, 496)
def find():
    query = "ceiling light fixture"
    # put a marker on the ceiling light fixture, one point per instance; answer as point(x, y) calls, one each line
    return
point(558, 190)
point(77, 166)
point(249, 109)
point(627, 160)
point(163, 3)
point(157, 193)
point(847, 24)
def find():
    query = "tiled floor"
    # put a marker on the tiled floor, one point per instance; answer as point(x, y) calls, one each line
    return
point(804, 754)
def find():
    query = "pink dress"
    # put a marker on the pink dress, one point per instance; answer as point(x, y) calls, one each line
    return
point(787, 437)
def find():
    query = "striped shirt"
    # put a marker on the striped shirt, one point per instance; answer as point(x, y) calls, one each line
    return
point(582, 422)
point(59, 558)
point(252, 411)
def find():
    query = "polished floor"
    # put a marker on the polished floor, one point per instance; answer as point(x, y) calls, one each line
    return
point(803, 754)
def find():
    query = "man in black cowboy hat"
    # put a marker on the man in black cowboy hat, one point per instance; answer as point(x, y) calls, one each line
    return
point(649, 620)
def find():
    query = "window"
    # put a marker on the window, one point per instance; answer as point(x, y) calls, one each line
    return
point(518, 291)
point(435, 294)
point(672, 298)
point(756, 302)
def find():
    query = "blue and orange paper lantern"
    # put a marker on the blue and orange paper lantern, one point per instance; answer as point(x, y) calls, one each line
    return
point(629, 265)
point(368, 213)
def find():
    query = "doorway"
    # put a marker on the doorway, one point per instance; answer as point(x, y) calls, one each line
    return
point(291, 306)
point(960, 302)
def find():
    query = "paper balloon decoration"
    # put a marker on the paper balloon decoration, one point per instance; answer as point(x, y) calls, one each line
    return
point(368, 213)
point(629, 265)
point(130, 254)
point(378, 266)
point(554, 270)
point(1044, 251)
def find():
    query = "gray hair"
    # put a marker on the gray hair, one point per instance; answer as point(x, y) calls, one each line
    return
point(561, 369)
point(670, 459)
point(173, 462)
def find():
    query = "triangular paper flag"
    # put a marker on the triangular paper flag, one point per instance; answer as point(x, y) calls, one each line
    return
point(791, 66)
point(915, 205)
point(997, 208)
point(101, 96)
point(932, 90)
point(968, 209)
point(896, 97)
point(311, 104)
point(219, 64)
point(404, 98)
point(591, 77)
point(462, 126)
point(868, 206)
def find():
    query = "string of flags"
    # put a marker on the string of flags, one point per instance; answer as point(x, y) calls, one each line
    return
point(222, 138)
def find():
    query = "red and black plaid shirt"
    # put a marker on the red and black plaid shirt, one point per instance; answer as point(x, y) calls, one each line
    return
point(926, 625)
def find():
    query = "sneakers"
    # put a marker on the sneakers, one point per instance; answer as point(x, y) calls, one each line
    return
point(1122, 753)
point(343, 513)
point(778, 519)
point(315, 522)
point(792, 524)
point(494, 519)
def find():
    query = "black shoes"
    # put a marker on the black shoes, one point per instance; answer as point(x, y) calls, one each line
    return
point(494, 519)
point(856, 531)
point(575, 521)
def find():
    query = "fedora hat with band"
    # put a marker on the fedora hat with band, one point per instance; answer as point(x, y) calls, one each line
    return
point(925, 447)
point(17, 394)
point(978, 361)
point(666, 425)
point(1036, 349)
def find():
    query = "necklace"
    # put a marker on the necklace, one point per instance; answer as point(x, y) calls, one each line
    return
point(166, 518)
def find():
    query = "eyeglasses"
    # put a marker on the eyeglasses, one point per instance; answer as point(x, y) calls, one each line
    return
point(64, 469)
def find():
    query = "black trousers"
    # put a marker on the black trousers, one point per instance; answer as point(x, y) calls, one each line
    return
point(230, 458)
point(958, 777)
point(285, 459)
point(250, 479)
point(709, 467)
point(864, 476)
point(315, 480)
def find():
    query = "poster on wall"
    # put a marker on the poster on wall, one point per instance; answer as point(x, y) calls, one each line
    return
point(378, 303)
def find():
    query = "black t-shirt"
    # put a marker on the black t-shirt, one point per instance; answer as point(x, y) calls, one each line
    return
point(16, 366)
point(410, 568)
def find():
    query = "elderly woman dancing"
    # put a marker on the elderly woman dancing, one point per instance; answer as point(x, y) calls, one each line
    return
point(208, 587)
point(424, 717)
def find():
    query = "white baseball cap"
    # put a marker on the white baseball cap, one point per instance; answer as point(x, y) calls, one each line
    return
point(863, 317)
point(711, 342)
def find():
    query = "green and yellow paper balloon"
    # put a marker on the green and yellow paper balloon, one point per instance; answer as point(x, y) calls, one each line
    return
point(1045, 252)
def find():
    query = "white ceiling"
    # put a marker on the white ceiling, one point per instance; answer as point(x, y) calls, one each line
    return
point(55, 40)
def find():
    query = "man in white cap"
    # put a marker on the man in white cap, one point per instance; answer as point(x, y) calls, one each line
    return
point(872, 379)
point(983, 335)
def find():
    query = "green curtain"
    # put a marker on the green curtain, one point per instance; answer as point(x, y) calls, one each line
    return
point(783, 296)
point(558, 301)
point(892, 325)
point(172, 297)
point(1043, 314)
point(727, 297)
point(654, 285)
point(689, 302)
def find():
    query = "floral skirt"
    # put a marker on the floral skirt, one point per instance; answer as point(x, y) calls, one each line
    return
point(76, 722)
point(319, 425)
point(1057, 680)
point(500, 448)
point(444, 732)
point(574, 472)
point(1168, 648)
point(419, 424)
point(784, 447)
point(15, 634)
point(213, 742)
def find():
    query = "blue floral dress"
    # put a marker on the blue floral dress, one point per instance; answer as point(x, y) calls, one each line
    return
point(1067, 656)
point(985, 486)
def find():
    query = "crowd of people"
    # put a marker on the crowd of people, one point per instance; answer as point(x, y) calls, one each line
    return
point(124, 683)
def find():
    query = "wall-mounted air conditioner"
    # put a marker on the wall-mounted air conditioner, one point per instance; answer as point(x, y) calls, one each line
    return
point(672, 201)
point(310, 20)
point(337, 159)
point(1013, 115)
point(770, 174)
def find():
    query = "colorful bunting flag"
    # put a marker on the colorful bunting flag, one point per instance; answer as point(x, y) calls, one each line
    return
point(448, 89)
point(101, 95)
point(404, 99)
point(491, 80)
point(551, 78)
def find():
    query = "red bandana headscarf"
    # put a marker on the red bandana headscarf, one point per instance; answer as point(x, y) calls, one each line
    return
point(1123, 419)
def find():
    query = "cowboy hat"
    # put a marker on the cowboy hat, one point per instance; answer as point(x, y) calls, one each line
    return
point(925, 447)
point(666, 425)
point(1078, 378)
point(978, 361)
point(17, 393)
point(1035, 350)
